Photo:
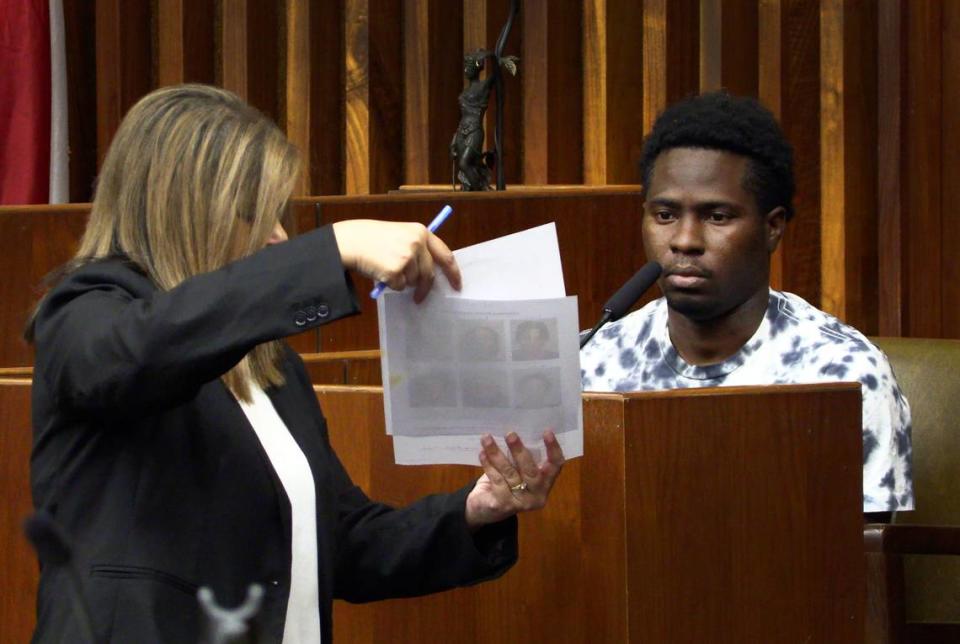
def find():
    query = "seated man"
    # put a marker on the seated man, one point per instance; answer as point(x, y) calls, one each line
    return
point(718, 190)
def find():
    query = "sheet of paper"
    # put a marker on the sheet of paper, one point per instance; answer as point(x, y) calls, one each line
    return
point(455, 369)
point(524, 265)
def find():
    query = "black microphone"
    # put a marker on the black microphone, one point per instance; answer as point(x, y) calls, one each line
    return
point(628, 294)
point(53, 549)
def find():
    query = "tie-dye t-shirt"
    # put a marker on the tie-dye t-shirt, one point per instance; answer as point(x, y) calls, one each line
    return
point(795, 343)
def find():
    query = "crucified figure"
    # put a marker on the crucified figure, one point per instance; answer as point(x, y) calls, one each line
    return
point(472, 165)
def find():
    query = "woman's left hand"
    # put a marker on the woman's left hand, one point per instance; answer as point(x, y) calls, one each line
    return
point(505, 489)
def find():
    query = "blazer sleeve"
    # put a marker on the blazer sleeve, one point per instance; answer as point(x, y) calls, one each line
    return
point(108, 341)
point(423, 548)
point(384, 552)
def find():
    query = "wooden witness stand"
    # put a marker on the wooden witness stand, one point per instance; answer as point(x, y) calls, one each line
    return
point(712, 515)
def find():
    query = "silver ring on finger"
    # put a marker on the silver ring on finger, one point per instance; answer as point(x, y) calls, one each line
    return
point(519, 487)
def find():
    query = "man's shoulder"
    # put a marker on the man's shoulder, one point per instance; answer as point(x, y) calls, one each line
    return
point(833, 340)
point(796, 311)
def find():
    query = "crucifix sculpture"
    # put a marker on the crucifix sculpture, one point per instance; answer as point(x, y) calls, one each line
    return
point(471, 164)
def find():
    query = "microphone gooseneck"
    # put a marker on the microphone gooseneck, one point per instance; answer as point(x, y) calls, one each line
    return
point(625, 297)
point(586, 337)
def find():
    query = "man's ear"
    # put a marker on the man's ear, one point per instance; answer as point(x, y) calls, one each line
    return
point(776, 223)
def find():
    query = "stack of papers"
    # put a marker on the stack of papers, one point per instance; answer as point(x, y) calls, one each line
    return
point(502, 355)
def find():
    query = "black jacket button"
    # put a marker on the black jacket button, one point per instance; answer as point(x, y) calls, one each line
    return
point(311, 313)
point(323, 311)
point(300, 318)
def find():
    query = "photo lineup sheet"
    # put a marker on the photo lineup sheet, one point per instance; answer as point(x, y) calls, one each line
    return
point(455, 368)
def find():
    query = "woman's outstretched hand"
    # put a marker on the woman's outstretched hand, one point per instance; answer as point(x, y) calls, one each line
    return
point(398, 254)
point(505, 489)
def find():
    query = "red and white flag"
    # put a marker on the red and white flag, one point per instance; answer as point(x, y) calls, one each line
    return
point(33, 103)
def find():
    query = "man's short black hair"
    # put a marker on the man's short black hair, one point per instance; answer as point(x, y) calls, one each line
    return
point(719, 121)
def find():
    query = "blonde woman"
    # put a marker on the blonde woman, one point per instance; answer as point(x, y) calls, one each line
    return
point(177, 439)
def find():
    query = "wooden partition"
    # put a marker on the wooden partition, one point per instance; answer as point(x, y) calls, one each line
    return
point(33, 241)
point(331, 368)
point(18, 563)
point(720, 515)
point(36, 240)
point(598, 229)
point(343, 367)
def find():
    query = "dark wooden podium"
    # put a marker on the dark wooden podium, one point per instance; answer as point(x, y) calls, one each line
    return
point(712, 515)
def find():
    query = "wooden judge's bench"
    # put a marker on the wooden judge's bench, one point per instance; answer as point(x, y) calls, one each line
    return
point(709, 515)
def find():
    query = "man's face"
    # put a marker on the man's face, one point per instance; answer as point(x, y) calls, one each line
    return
point(703, 227)
point(533, 391)
point(532, 339)
point(487, 341)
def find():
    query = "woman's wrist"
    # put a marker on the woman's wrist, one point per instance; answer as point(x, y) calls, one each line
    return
point(342, 233)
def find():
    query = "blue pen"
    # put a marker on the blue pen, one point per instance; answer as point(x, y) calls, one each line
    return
point(434, 225)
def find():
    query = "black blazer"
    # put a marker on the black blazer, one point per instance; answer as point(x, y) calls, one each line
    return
point(150, 465)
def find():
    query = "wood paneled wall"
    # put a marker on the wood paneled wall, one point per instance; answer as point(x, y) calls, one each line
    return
point(919, 168)
point(367, 89)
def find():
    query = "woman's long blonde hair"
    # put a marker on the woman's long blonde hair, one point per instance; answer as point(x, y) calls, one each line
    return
point(194, 179)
